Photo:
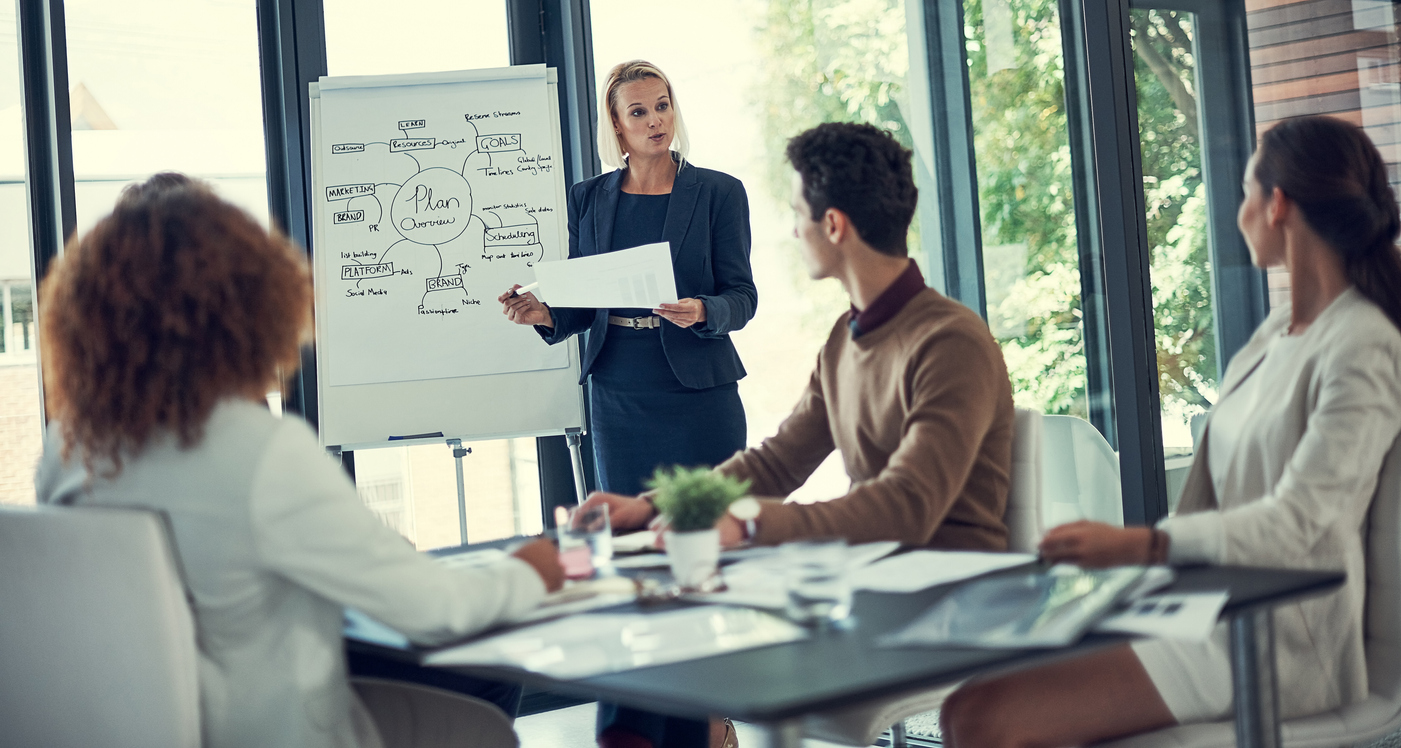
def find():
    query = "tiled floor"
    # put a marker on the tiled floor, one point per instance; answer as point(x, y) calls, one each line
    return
point(573, 728)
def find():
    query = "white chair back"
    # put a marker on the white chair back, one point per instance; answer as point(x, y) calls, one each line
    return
point(1383, 621)
point(1023, 516)
point(97, 642)
point(1080, 473)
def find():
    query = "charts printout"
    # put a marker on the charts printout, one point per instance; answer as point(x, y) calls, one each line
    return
point(437, 197)
point(637, 277)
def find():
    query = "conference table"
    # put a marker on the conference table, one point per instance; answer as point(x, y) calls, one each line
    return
point(774, 687)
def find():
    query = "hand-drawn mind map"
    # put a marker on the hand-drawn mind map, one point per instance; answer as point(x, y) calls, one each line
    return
point(433, 208)
point(427, 223)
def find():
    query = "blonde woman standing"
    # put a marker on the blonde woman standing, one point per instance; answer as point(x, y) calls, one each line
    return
point(662, 382)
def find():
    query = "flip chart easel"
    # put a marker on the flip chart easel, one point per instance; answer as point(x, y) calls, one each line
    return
point(433, 193)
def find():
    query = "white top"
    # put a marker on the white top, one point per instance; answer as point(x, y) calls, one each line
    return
point(274, 542)
point(1230, 421)
point(1305, 423)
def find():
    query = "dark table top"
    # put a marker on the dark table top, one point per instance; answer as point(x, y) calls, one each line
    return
point(840, 668)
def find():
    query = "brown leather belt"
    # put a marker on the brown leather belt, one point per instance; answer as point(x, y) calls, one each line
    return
point(636, 323)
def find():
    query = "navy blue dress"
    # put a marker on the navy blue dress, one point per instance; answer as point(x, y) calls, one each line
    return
point(642, 416)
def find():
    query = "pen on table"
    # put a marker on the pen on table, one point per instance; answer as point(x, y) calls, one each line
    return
point(525, 289)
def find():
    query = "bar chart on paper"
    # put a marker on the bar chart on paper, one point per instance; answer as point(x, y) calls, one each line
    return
point(637, 277)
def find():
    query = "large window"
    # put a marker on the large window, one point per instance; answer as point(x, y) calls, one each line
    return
point(414, 489)
point(157, 85)
point(785, 66)
point(1026, 197)
point(1176, 196)
point(20, 430)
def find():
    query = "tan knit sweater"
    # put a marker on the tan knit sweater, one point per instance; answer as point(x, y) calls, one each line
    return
point(921, 409)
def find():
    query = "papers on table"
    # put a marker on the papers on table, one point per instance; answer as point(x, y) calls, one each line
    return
point(1036, 608)
point(588, 645)
point(917, 570)
point(583, 596)
point(1188, 615)
point(637, 277)
point(760, 581)
point(471, 559)
point(635, 542)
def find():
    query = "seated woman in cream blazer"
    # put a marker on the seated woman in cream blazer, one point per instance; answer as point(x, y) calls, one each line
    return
point(1284, 476)
point(163, 329)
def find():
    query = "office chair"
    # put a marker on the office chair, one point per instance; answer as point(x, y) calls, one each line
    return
point(97, 642)
point(411, 716)
point(1080, 474)
point(1380, 713)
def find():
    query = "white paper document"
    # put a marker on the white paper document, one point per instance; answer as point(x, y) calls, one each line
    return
point(1188, 615)
point(919, 570)
point(761, 580)
point(587, 645)
point(637, 277)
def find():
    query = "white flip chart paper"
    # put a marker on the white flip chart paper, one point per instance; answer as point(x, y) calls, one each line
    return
point(437, 196)
point(637, 277)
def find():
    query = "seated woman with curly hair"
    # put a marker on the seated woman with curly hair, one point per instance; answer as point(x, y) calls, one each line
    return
point(163, 329)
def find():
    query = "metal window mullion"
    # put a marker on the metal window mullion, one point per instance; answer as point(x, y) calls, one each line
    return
point(558, 33)
point(48, 139)
point(1099, 380)
point(959, 230)
point(292, 43)
point(1117, 170)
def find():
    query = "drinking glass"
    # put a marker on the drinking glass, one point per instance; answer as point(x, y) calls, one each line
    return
point(589, 529)
point(815, 576)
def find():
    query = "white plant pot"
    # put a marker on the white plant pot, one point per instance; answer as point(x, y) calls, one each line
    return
point(694, 556)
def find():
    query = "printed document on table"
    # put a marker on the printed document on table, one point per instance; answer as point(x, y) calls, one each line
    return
point(917, 570)
point(637, 277)
point(1187, 615)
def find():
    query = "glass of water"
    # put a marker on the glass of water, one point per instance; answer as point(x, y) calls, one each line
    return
point(588, 531)
point(815, 576)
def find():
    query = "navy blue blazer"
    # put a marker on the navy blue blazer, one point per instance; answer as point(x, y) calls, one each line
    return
point(707, 226)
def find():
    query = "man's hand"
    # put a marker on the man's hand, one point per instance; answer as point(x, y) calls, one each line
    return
point(624, 512)
point(1095, 544)
point(731, 534)
point(525, 310)
point(543, 557)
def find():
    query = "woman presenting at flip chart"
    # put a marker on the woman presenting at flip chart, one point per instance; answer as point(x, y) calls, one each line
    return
point(652, 370)
point(662, 382)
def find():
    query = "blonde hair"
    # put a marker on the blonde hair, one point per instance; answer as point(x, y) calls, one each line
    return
point(610, 147)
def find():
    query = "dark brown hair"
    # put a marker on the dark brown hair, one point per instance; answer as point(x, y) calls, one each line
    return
point(862, 171)
point(174, 301)
point(1333, 172)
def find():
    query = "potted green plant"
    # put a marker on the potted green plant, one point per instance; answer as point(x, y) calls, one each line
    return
point(692, 500)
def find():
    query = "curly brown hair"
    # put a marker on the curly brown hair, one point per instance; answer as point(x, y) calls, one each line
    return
point(173, 302)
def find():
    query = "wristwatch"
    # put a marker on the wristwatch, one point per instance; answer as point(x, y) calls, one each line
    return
point(746, 511)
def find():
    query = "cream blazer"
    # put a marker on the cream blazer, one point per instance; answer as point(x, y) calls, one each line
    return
point(275, 543)
point(1298, 486)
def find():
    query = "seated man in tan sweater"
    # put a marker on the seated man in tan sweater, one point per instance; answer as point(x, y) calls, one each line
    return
point(910, 385)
